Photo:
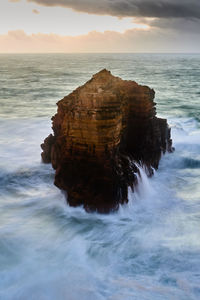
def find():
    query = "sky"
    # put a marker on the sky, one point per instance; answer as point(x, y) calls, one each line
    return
point(36, 26)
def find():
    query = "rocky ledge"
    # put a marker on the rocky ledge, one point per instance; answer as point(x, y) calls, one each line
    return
point(102, 131)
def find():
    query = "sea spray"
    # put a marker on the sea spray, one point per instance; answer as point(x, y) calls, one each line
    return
point(150, 248)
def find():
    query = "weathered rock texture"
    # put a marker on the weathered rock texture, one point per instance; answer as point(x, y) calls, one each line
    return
point(102, 131)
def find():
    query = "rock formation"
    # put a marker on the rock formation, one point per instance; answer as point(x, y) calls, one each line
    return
point(102, 131)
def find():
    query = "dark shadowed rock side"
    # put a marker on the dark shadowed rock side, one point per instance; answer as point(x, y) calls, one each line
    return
point(102, 131)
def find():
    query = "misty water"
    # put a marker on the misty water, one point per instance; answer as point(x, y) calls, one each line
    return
point(150, 248)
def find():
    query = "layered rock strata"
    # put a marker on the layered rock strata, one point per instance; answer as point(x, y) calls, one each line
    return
point(102, 131)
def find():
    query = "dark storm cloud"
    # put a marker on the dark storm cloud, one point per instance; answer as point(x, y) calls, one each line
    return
point(191, 25)
point(134, 8)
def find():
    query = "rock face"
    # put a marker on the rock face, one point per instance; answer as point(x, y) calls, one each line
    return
point(102, 131)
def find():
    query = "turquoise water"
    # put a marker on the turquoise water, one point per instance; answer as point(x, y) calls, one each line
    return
point(150, 248)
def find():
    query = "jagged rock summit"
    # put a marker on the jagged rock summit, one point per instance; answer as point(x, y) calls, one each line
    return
point(102, 131)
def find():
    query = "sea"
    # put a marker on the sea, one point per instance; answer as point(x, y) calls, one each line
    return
point(150, 248)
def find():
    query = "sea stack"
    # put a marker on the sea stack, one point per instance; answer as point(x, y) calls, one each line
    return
point(101, 133)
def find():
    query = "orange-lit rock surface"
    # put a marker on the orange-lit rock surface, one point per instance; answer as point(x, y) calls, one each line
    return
point(102, 131)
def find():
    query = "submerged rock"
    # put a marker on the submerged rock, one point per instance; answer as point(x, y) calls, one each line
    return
point(102, 131)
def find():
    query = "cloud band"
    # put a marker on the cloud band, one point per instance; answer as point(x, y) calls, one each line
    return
point(135, 8)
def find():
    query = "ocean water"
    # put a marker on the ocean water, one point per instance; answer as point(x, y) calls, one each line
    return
point(150, 248)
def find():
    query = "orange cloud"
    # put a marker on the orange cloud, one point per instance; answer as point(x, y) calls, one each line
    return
point(35, 11)
point(135, 40)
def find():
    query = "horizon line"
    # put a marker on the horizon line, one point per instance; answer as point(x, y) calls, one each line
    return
point(99, 52)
